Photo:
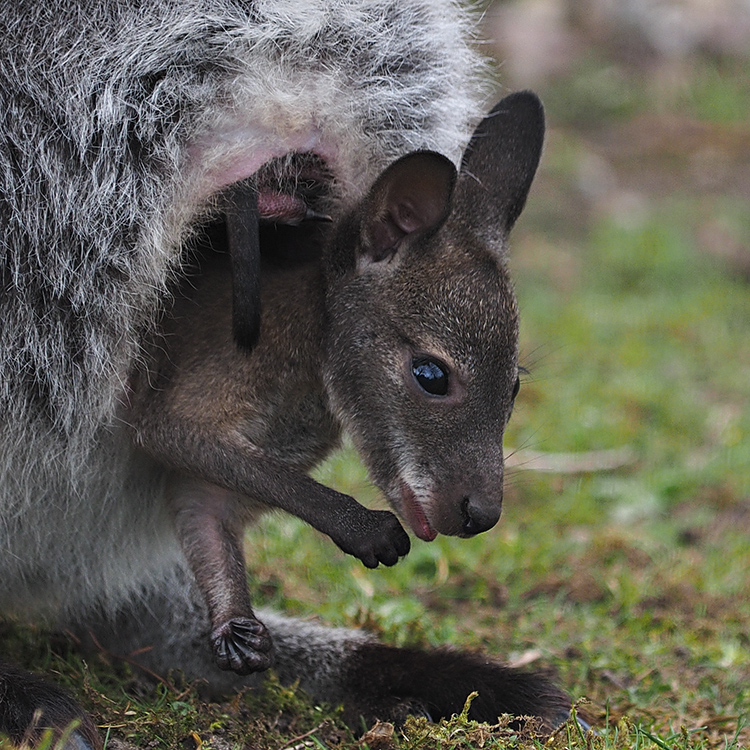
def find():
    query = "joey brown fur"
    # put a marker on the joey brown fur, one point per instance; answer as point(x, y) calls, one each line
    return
point(413, 277)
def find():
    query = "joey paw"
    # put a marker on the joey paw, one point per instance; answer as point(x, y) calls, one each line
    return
point(242, 645)
point(376, 537)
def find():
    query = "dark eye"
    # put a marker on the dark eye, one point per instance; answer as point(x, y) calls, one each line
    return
point(431, 376)
point(516, 387)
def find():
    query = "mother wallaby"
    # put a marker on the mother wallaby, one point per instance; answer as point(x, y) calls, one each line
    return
point(125, 125)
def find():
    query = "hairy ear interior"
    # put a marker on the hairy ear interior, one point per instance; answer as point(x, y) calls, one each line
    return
point(412, 195)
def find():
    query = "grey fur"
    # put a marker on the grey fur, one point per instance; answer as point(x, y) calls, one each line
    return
point(174, 619)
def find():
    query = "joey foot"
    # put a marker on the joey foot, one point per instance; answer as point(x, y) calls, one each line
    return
point(373, 537)
point(242, 645)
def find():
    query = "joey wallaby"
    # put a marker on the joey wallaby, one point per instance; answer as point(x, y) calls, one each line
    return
point(124, 127)
point(405, 334)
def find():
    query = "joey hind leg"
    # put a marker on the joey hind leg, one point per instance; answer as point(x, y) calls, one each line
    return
point(209, 525)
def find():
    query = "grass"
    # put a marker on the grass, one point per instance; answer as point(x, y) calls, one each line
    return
point(632, 584)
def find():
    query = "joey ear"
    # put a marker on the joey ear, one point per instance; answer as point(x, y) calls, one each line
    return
point(500, 161)
point(412, 195)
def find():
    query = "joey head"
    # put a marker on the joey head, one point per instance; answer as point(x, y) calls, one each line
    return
point(422, 340)
point(404, 334)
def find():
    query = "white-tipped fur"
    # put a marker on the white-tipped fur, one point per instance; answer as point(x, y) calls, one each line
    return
point(120, 121)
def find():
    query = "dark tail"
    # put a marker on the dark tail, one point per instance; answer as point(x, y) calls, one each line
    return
point(384, 682)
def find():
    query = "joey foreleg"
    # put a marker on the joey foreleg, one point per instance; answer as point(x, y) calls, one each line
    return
point(209, 521)
point(372, 536)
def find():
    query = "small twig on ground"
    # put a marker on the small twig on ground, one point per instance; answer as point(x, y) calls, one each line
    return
point(296, 742)
point(571, 463)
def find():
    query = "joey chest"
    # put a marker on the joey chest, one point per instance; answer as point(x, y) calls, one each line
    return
point(287, 412)
point(271, 398)
point(294, 425)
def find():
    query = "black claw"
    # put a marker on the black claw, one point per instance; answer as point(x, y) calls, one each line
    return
point(311, 215)
point(242, 646)
point(403, 545)
point(250, 629)
point(389, 558)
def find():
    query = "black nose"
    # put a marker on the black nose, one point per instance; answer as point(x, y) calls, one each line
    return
point(477, 518)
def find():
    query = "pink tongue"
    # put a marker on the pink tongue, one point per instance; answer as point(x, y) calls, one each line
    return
point(415, 515)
